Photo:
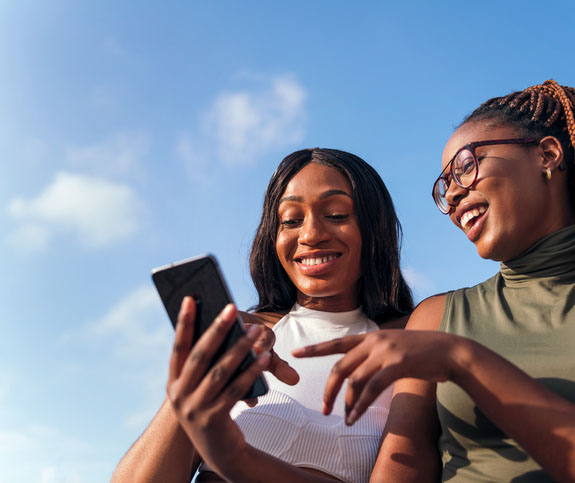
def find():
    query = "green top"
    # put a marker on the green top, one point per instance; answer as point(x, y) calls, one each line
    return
point(526, 313)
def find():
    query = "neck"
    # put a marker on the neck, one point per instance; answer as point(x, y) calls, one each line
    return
point(328, 304)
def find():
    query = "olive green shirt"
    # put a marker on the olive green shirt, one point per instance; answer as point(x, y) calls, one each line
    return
point(525, 313)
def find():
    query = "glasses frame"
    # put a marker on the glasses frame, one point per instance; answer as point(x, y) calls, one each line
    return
point(471, 148)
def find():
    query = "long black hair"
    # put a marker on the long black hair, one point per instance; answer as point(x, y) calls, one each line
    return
point(383, 290)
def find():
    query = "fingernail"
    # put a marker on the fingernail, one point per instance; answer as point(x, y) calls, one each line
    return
point(227, 310)
point(351, 417)
point(253, 331)
point(264, 358)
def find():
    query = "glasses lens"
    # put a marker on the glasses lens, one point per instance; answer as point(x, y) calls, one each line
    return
point(464, 168)
point(439, 190)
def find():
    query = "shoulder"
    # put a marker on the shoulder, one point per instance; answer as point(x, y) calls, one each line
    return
point(428, 313)
point(268, 319)
point(395, 322)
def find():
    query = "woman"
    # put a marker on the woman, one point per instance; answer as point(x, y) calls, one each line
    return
point(325, 263)
point(504, 350)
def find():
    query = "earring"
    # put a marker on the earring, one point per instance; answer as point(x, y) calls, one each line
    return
point(548, 174)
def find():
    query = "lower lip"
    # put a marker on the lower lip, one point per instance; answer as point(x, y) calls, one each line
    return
point(318, 269)
point(475, 232)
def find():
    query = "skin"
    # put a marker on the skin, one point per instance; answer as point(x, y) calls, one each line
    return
point(509, 185)
point(317, 218)
point(522, 206)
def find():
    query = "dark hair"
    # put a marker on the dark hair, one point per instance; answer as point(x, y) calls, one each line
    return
point(538, 111)
point(383, 291)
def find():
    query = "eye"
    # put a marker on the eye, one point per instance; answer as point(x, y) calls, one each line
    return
point(337, 216)
point(468, 166)
point(290, 222)
point(464, 166)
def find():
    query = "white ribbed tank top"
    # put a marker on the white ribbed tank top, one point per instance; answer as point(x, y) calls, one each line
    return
point(287, 422)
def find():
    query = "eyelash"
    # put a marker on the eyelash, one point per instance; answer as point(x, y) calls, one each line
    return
point(335, 217)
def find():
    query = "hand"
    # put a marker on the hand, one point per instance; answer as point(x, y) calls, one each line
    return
point(375, 360)
point(202, 398)
point(277, 366)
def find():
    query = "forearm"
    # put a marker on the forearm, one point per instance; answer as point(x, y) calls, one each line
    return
point(408, 451)
point(251, 465)
point(162, 453)
point(542, 422)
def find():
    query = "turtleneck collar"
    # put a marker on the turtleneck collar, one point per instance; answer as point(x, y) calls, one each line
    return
point(552, 256)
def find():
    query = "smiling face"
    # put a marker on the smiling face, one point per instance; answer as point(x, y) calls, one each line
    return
point(319, 241)
point(510, 206)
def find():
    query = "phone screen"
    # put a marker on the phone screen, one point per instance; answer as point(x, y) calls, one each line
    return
point(201, 278)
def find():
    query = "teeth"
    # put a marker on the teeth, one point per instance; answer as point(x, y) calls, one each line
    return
point(470, 215)
point(316, 261)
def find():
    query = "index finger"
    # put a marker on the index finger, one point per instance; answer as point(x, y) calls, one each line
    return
point(336, 346)
point(184, 336)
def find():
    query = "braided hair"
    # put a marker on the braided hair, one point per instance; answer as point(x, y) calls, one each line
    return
point(538, 111)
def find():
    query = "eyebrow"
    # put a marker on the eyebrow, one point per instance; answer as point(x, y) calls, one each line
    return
point(324, 195)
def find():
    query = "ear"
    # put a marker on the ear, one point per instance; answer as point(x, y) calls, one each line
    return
point(551, 151)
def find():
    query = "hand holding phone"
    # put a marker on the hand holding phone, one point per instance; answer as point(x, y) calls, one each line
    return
point(201, 278)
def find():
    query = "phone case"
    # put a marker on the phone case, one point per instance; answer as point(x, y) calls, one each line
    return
point(201, 278)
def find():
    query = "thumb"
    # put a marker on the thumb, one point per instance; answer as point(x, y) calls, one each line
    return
point(282, 370)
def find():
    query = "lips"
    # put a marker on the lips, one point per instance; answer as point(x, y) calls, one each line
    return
point(317, 263)
point(469, 217)
point(311, 261)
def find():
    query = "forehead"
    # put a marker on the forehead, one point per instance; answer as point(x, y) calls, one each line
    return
point(314, 179)
point(473, 132)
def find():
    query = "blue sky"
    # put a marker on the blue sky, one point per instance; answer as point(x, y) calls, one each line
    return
point(133, 134)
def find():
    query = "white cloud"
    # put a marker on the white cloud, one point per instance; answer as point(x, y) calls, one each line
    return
point(139, 332)
point(98, 211)
point(120, 154)
point(418, 282)
point(31, 237)
point(138, 324)
point(58, 456)
point(241, 126)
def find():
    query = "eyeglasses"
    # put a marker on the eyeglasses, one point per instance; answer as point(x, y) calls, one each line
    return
point(463, 168)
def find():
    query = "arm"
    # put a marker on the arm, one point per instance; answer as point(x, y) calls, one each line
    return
point(542, 422)
point(408, 450)
point(162, 453)
point(202, 398)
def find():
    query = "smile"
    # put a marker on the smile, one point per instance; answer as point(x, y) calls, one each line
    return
point(312, 261)
point(470, 217)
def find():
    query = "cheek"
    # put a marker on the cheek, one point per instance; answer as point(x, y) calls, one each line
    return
point(284, 242)
point(353, 239)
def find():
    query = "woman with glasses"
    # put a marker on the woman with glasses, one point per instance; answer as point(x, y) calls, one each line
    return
point(485, 385)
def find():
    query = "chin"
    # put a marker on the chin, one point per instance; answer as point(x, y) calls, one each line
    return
point(490, 251)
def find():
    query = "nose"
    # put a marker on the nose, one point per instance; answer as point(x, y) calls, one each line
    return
point(454, 194)
point(313, 231)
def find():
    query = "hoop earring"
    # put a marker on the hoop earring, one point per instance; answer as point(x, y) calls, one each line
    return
point(548, 174)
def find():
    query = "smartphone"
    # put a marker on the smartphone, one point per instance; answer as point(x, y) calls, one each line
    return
point(201, 278)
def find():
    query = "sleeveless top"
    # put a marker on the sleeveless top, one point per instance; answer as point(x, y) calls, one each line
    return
point(287, 422)
point(525, 313)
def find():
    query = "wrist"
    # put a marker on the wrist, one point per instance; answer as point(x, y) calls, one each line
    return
point(462, 355)
point(233, 465)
